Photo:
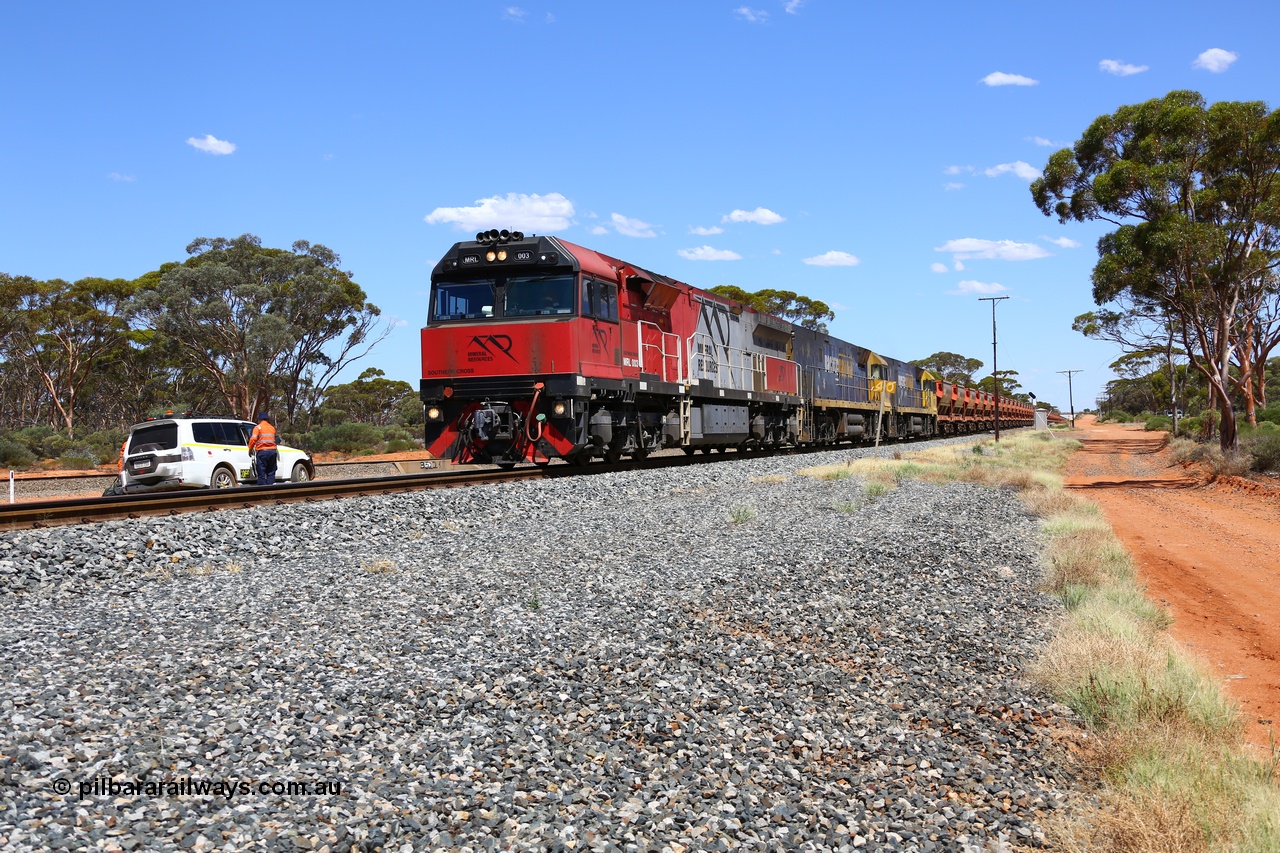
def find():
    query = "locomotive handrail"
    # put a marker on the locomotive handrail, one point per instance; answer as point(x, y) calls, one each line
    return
point(663, 354)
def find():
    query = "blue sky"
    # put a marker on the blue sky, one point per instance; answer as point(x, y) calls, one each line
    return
point(874, 156)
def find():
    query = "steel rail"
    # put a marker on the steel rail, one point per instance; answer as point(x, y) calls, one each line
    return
point(60, 512)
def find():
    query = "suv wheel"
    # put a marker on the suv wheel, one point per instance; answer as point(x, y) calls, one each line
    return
point(300, 473)
point(223, 478)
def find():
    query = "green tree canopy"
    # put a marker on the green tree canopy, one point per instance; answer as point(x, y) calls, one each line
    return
point(372, 398)
point(951, 367)
point(1193, 192)
point(259, 322)
point(62, 334)
point(801, 310)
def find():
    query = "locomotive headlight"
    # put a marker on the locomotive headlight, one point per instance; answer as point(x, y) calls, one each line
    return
point(562, 408)
point(502, 254)
point(433, 413)
point(491, 256)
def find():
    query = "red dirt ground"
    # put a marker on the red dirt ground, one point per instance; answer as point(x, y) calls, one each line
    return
point(1207, 549)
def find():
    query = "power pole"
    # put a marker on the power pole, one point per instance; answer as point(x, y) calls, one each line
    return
point(995, 377)
point(1070, 399)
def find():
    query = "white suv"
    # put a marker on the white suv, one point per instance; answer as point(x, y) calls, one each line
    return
point(200, 452)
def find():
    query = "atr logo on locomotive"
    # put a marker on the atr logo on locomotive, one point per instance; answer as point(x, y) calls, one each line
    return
point(602, 340)
point(502, 343)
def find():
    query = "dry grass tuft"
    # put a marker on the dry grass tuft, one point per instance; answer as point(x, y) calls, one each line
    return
point(1162, 734)
point(379, 567)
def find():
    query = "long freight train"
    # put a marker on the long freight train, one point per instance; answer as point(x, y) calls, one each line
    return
point(536, 348)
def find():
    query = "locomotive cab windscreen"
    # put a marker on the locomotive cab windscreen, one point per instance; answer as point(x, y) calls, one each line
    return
point(504, 297)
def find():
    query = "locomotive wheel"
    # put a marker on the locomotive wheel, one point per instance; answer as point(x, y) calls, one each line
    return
point(506, 466)
point(612, 456)
point(689, 451)
point(640, 453)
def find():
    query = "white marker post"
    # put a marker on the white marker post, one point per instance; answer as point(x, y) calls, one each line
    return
point(10, 485)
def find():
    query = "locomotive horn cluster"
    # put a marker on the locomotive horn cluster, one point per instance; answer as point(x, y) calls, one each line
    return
point(494, 236)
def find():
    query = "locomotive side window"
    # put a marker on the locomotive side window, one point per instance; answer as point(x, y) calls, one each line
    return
point(600, 299)
point(530, 295)
point(462, 300)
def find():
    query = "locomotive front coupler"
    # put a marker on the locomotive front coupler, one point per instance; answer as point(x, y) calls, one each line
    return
point(497, 421)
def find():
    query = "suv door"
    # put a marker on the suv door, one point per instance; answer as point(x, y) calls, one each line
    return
point(228, 464)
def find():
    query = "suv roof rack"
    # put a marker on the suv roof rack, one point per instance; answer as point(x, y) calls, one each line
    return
point(169, 414)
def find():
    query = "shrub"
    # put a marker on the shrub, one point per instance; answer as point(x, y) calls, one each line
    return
point(1190, 427)
point(402, 445)
point(344, 438)
point(32, 438)
point(396, 433)
point(1265, 451)
point(55, 445)
point(78, 459)
point(1159, 422)
point(1271, 414)
point(15, 455)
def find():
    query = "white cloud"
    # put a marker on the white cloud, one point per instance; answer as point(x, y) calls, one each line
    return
point(1215, 59)
point(1121, 69)
point(550, 212)
point(597, 230)
point(755, 16)
point(958, 267)
point(706, 253)
point(212, 145)
point(999, 78)
point(951, 186)
point(628, 227)
point(1064, 242)
point(116, 176)
point(793, 6)
point(1040, 140)
point(955, 170)
point(833, 259)
point(706, 232)
point(1023, 170)
point(937, 267)
point(967, 248)
point(968, 288)
point(514, 13)
point(760, 216)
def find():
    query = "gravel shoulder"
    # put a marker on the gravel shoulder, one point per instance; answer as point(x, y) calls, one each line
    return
point(599, 663)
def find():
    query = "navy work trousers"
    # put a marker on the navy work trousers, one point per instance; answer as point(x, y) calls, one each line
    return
point(267, 460)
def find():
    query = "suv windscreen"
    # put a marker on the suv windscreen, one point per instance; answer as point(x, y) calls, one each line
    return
point(160, 436)
point(218, 432)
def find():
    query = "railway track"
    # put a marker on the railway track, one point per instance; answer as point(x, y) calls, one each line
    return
point(71, 511)
point(53, 513)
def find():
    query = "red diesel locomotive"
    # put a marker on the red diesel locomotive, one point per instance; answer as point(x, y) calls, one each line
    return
point(536, 348)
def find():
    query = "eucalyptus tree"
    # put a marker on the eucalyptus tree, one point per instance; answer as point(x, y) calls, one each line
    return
point(259, 323)
point(1193, 192)
point(64, 334)
point(804, 311)
point(951, 367)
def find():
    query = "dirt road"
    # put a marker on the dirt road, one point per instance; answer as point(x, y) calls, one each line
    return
point(1208, 551)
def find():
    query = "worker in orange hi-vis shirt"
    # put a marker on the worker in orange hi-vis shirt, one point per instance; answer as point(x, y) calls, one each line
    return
point(263, 444)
